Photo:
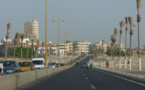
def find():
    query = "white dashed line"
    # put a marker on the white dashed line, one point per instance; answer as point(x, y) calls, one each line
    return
point(86, 78)
point(93, 87)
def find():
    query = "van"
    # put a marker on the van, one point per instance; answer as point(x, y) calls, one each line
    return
point(39, 63)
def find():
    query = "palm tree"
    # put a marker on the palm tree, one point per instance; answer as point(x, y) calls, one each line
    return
point(7, 37)
point(32, 41)
point(139, 3)
point(22, 38)
point(103, 41)
point(43, 46)
point(95, 52)
point(126, 22)
point(15, 42)
point(111, 50)
point(121, 25)
point(38, 42)
point(131, 33)
point(114, 39)
point(27, 49)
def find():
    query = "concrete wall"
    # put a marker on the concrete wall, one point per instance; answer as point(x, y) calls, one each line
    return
point(13, 81)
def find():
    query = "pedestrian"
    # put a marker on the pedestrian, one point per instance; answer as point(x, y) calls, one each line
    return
point(107, 63)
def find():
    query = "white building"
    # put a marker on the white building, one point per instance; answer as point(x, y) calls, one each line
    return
point(31, 30)
point(121, 45)
point(81, 47)
point(100, 45)
point(4, 40)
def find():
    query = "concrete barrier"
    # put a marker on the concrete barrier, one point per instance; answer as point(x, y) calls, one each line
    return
point(13, 81)
point(41, 73)
point(8, 82)
point(25, 77)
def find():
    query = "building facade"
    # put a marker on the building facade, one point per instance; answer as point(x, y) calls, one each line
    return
point(100, 45)
point(81, 47)
point(31, 30)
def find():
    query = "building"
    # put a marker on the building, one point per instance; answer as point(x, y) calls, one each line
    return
point(67, 48)
point(121, 45)
point(31, 30)
point(81, 47)
point(100, 45)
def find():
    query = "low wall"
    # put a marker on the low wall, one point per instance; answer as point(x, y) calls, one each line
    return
point(13, 81)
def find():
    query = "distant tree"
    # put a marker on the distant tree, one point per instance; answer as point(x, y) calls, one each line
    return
point(22, 38)
point(15, 42)
point(7, 37)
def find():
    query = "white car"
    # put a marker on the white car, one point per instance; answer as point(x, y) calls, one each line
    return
point(39, 63)
point(52, 65)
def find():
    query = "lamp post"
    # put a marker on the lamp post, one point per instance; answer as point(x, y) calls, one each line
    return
point(45, 34)
point(64, 45)
point(58, 38)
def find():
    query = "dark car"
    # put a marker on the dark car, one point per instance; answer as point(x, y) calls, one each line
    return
point(10, 67)
point(84, 65)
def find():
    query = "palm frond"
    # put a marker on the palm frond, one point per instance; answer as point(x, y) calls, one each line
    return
point(126, 20)
point(139, 4)
point(133, 25)
point(8, 25)
point(130, 20)
point(115, 31)
point(122, 23)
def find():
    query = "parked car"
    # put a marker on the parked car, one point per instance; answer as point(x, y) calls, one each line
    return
point(27, 66)
point(52, 65)
point(61, 64)
point(57, 64)
point(84, 65)
point(39, 63)
point(10, 67)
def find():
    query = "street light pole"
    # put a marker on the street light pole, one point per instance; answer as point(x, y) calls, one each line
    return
point(58, 38)
point(64, 46)
point(46, 34)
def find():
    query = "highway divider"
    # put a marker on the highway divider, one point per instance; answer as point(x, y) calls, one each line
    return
point(16, 80)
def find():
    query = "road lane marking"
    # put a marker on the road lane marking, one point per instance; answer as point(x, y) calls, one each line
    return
point(93, 87)
point(124, 78)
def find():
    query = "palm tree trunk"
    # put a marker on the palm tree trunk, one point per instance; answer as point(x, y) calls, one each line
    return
point(6, 50)
point(32, 52)
point(125, 48)
point(27, 53)
point(21, 53)
point(120, 52)
point(130, 52)
point(14, 52)
point(111, 56)
point(139, 58)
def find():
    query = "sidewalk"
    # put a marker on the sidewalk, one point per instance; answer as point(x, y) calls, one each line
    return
point(133, 73)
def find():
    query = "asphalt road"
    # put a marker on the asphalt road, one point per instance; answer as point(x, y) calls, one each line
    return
point(76, 78)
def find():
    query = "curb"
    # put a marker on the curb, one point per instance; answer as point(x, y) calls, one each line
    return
point(124, 73)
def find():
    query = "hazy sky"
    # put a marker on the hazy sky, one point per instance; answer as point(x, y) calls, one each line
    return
point(91, 20)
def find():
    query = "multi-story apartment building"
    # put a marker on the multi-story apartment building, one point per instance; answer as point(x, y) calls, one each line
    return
point(81, 47)
point(31, 30)
point(100, 45)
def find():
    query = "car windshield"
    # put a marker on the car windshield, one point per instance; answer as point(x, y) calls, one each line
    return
point(25, 64)
point(84, 64)
point(8, 63)
point(38, 62)
point(52, 64)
